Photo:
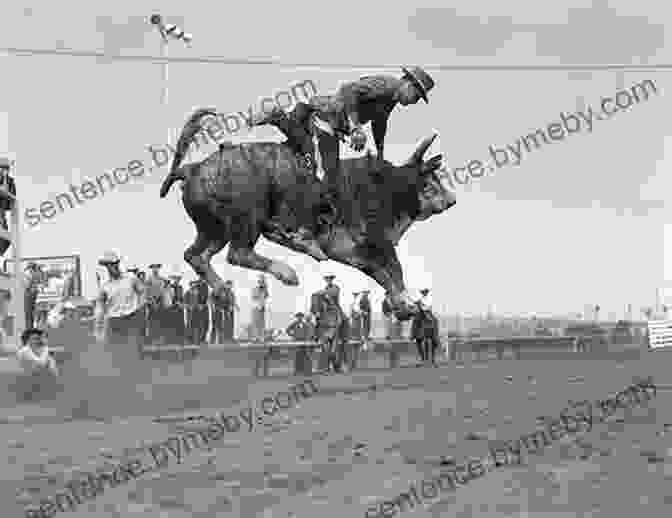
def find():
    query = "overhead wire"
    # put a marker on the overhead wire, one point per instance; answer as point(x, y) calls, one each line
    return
point(350, 66)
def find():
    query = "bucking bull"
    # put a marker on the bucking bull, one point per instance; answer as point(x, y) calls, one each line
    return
point(242, 192)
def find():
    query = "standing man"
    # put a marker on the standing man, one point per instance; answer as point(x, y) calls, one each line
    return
point(355, 317)
point(175, 311)
point(222, 311)
point(6, 204)
point(32, 280)
point(365, 311)
point(393, 327)
point(260, 296)
point(156, 286)
point(301, 330)
point(119, 308)
point(217, 307)
point(425, 329)
point(196, 301)
point(329, 317)
point(229, 313)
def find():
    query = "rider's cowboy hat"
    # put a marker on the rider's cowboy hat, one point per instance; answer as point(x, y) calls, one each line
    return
point(420, 79)
point(5, 163)
point(133, 269)
point(154, 265)
point(329, 277)
point(299, 315)
point(424, 291)
point(109, 257)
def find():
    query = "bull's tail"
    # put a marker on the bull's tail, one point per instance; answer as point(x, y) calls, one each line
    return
point(191, 128)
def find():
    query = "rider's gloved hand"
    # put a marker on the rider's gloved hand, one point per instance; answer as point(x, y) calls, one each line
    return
point(358, 139)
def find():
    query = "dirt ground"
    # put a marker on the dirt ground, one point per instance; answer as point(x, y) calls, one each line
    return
point(366, 437)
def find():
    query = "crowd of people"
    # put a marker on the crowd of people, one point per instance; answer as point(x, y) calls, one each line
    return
point(134, 308)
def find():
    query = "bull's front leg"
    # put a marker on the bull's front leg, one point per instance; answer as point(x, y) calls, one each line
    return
point(382, 264)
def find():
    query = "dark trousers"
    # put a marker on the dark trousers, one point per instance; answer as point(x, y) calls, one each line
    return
point(174, 325)
point(29, 308)
point(366, 325)
point(156, 319)
point(198, 325)
point(427, 347)
point(228, 325)
point(126, 331)
point(217, 328)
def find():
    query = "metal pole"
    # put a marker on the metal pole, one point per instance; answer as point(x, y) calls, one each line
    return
point(19, 285)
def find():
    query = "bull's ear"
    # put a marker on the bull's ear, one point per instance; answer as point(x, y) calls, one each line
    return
point(416, 157)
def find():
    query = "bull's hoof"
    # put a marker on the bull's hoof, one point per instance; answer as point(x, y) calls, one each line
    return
point(284, 274)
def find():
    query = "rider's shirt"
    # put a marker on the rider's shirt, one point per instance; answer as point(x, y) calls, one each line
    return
point(370, 97)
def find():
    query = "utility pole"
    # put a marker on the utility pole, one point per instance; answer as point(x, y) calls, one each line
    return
point(174, 32)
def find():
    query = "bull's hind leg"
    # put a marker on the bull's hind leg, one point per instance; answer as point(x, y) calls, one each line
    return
point(246, 231)
point(199, 256)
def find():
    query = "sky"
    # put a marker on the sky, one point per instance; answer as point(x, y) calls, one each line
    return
point(580, 221)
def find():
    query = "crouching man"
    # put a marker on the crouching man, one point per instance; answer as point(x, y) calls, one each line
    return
point(39, 367)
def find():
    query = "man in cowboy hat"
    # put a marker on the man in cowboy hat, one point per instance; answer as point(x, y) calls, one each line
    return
point(365, 313)
point(196, 302)
point(329, 317)
point(156, 288)
point(175, 307)
point(368, 99)
point(425, 329)
point(222, 311)
point(301, 330)
point(6, 185)
point(119, 306)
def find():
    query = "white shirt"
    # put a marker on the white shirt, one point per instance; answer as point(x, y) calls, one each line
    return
point(29, 361)
point(121, 297)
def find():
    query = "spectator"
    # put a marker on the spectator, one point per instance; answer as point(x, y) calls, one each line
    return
point(196, 301)
point(222, 309)
point(60, 313)
point(33, 355)
point(355, 317)
point(365, 311)
point(393, 327)
point(259, 299)
point(32, 280)
point(175, 311)
point(119, 308)
point(156, 287)
point(301, 330)
point(6, 185)
point(229, 315)
point(39, 367)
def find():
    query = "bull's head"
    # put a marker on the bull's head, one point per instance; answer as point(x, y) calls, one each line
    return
point(435, 197)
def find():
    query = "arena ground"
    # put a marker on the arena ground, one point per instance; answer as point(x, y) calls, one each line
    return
point(367, 436)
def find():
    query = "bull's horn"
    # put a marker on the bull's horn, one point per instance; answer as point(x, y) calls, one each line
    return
point(420, 151)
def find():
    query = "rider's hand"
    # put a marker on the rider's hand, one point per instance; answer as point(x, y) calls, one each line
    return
point(358, 139)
